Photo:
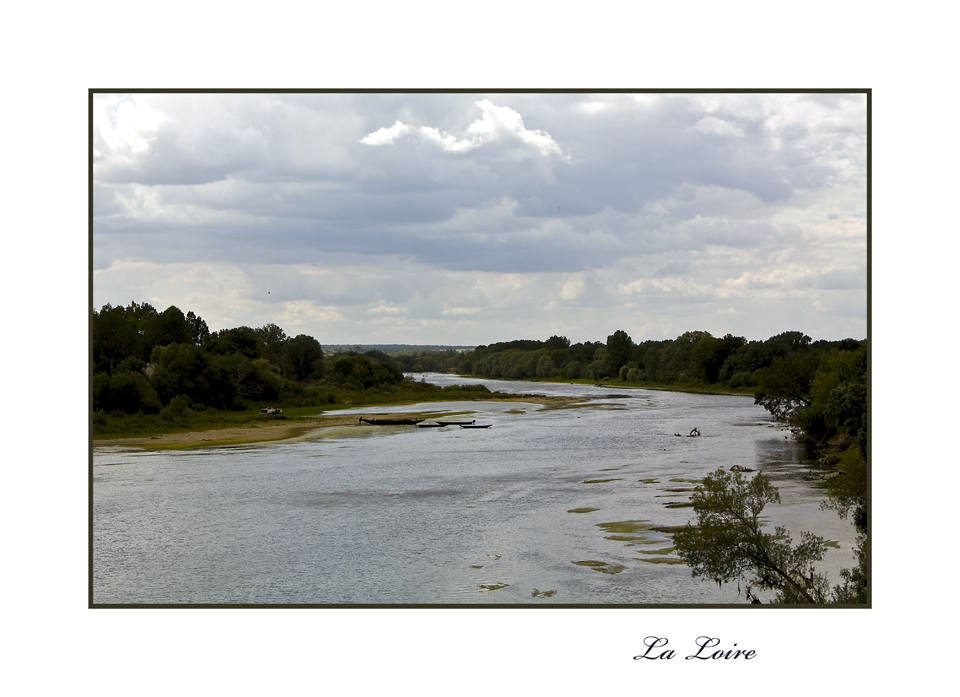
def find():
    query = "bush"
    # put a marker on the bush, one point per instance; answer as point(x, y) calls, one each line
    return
point(743, 379)
point(179, 407)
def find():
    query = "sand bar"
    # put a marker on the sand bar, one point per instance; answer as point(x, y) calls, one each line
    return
point(274, 431)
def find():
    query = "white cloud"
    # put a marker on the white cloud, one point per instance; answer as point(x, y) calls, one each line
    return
point(498, 124)
point(711, 125)
point(387, 310)
point(385, 136)
point(125, 124)
point(573, 288)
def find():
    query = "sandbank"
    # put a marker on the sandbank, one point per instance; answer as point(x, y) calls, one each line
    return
point(274, 431)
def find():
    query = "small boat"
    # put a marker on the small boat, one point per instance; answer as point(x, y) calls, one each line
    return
point(457, 423)
point(430, 425)
point(390, 422)
point(475, 425)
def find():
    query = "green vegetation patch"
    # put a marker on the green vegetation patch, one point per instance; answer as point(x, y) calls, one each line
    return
point(583, 510)
point(542, 594)
point(665, 560)
point(625, 538)
point(651, 480)
point(600, 481)
point(665, 550)
point(678, 504)
point(493, 586)
point(601, 566)
point(626, 527)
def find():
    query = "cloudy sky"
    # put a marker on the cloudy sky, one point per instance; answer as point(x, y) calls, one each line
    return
point(470, 218)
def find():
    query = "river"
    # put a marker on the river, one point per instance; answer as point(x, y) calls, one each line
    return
point(548, 506)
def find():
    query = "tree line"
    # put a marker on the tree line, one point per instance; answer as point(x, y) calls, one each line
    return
point(693, 357)
point(166, 363)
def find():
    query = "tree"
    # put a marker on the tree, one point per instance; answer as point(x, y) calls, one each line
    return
point(198, 329)
point(619, 350)
point(727, 542)
point(170, 327)
point(784, 388)
point(244, 340)
point(302, 358)
point(675, 357)
point(272, 339)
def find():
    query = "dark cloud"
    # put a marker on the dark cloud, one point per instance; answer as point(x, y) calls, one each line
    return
point(695, 190)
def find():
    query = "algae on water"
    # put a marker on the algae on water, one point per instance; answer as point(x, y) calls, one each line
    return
point(601, 566)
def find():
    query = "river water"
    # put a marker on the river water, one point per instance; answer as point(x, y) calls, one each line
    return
point(548, 506)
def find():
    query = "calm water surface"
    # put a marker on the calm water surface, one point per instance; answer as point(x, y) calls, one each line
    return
point(377, 515)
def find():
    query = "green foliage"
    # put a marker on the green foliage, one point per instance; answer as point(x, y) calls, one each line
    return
point(784, 388)
point(361, 372)
point(854, 587)
point(728, 543)
point(619, 350)
point(848, 490)
point(179, 407)
point(272, 339)
point(302, 358)
point(124, 391)
point(242, 340)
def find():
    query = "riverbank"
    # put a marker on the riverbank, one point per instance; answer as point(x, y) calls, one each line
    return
point(284, 430)
point(691, 388)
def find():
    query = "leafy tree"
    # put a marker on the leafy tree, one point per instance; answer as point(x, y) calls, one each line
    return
point(619, 350)
point(744, 361)
point(177, 368)
point(728, 543)
point(302, 358)
point(675, 357)
point(169, 327)
point(557, 342)
point(650, 352)
point(545, 367)
point(784, 388)
point(243, 340)
point(272, 339)
point(198, 329)
point(783, 345)
point(119, 332)
point(126, 391)
point(363, 372)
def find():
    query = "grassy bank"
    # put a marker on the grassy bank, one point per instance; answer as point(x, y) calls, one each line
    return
point(249, 425)
point(295, 417)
